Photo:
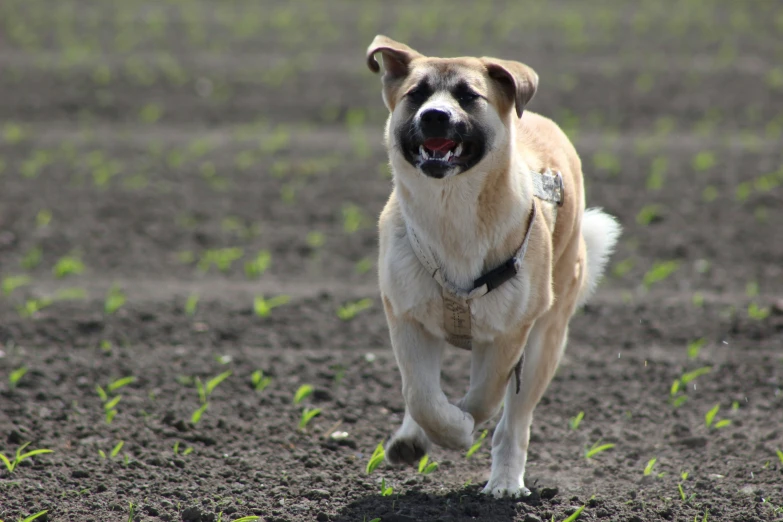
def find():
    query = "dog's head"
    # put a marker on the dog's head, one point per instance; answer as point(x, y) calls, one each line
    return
point(449, 114)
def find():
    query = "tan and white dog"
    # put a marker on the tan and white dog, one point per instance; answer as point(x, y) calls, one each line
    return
point(484, 244)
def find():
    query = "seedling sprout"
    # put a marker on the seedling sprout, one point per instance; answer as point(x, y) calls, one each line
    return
point(11, 464)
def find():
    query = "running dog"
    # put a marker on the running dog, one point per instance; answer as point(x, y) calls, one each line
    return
point(485, 244)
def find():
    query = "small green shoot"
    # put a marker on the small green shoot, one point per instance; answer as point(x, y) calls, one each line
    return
point(215, 381)
point(307, 415)
point(375, 460)
point(115, 298)
point(426, 467)
point(386, 491)
point(353, 218)
point(597, 448)
point(196, 416)
point(575, 515)
point(710, 415)
point(689, 376)
point(648, 214)
point(574, 422)
point(11, 464)
point(132, 511)
point(780, 456)
point(260, 382)
point(114, 452)
point(695, 346)
point(259, 265)
point(16, 375)
point(11, 283)
point(34, 517)
point(649, 467)
point(704, 519)
point(263, 307)
point(303, 392)
point(476, 445)
point(191, 304)
point(251, 518)
point(349, 310)
point(68, 265)
point(119, 383)
point(315, 239)
point(660, 271)
point(758, 313)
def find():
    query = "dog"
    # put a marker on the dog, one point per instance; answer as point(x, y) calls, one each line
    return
point(484, 244)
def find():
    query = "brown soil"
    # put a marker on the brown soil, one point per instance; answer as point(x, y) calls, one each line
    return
point(257, 150)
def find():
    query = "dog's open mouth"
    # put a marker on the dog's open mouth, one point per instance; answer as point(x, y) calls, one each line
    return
point(443, 150)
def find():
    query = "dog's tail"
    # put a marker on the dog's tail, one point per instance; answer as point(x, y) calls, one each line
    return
point(600, 232)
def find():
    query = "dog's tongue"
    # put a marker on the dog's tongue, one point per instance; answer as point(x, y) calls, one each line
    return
point(439, 144)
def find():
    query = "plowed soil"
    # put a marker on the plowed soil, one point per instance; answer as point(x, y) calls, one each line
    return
point(166, 146)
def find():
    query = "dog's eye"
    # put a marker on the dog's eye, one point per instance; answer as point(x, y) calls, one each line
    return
point(467, 96)
point(418, 95)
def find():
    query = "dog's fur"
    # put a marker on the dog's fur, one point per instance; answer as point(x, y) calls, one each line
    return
point(473, 216)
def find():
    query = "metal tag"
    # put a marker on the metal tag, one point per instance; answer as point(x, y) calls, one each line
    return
point(456, 320)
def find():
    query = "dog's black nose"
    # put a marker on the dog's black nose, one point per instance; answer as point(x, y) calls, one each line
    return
point(435, 123)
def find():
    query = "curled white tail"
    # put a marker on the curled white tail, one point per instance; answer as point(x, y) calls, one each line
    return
point(600, 232)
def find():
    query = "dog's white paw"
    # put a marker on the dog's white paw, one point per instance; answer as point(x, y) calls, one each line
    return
point(407, 449)
point(505, 487)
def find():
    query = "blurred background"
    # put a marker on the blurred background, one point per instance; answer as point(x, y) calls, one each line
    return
point(189, 185)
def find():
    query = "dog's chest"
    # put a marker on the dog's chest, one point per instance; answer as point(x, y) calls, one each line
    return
point(414, 293)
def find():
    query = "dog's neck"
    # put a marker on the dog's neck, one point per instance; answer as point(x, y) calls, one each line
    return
point(472, 222)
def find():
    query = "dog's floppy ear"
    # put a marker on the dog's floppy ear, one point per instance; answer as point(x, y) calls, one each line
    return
point(396, 57)
point(517, 80)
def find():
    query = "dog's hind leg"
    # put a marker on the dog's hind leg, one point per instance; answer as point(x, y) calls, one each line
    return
point(512, 434)
point(427, 409)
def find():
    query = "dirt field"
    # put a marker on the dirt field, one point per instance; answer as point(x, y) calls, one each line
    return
point(189, 188)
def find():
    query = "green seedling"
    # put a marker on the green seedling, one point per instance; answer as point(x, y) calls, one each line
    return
point(191, 304)
point(13, 133)
point(11, 464)
point(303, 392)
point(339, 373)
point(15, 376)
point(223, 359)
point(150, 113)
point(648, 214)
point(704, 519)
point(659, 272)
point(353, 218)
point(683, 497)
point(259, 265)
point(574, 422)
point(11, 283)
point(349, 310)
point(386, 491)
point(649, 467)
point(115, 298)
point(33, 517)
point(376, 519)
point(307, 415)
point(375, 460)
point(692, 375)
point(623, 267)
point(222, 258)
point(32, 258)
point(119, 383)
point(315, 240)
point(426, 467)
point(132, 511)
point(196, 416)
point(709, 418)
point(260, 382)
point(33, 306)
point(114, 452)
point(476, 445)
point(657, 173)
point(597, 448)
point(574, 515)
point(68, 265)
point(757, 312)
point(695, 346)
point(186, 451)
point(263, 307)
point(251, 518)
point(363, 266)
point(702, 161)
point(780, 456)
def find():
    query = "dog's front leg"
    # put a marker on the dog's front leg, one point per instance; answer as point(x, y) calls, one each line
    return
point(492, 365)
point(428, 414)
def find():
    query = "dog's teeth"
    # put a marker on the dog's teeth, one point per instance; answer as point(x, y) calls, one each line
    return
point(423, 152)
point(447, 157)
point(458, 151)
